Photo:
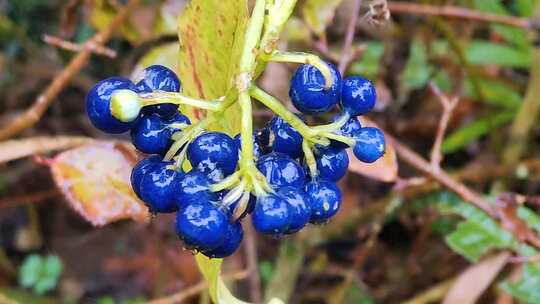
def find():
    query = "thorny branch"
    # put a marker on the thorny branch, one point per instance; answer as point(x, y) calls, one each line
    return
point(32, 115)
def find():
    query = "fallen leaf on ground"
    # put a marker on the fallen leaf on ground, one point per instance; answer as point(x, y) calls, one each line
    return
point(95, 179)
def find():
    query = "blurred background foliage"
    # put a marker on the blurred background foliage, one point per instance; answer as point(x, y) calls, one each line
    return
point(390, 244)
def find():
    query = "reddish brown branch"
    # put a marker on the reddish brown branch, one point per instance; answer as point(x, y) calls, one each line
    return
point(448, 104)
point(416, 161)
point(459, 12)
point(349, 36)
point(42, 102)
point(77, 47)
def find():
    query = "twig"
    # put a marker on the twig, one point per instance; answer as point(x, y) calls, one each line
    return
point(433, 294)
point(349, 36)
point(524, 259)
point(252, 264)
point(77, 47)
point(25, 199)
point(42, 102)
point(19, 148)
point(460, 12)
point(448, 104)
point(416, 161)
point(184, 294)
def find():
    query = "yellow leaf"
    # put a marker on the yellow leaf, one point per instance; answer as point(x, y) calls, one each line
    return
point(95, 179)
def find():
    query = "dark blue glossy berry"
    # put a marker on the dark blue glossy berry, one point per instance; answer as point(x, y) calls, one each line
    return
point(271, 215)
point(158, 187)
point(214, 150)
point(139, 170)
point(159, 78)
point(284, 138)
point(194, 186)
point(152, 133)
point(98, 105)
point(324, 198)
point(260, 142)
point(370, 144)
point(281, 170)
point(332, 163)
point(299, 210)
point(348, 129)
point(358, 95)
point(201, 225)
point(307, 90)
point(234, 237)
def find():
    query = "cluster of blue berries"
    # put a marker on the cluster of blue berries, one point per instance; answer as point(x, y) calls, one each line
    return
point(208, 219)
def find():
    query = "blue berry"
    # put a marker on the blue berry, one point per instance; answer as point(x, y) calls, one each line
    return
point(348, 129)
point(139, 170)
point(158, 187)
point(234, 237)
point(307, 90)
point(332, 163)
point(281, 170)
point(201, 225)
point(358, 95)
point(98, 105)
point(159, 78)
point(370, 144)
point(299, 211)
point(194, 186)
point(324, 198)
point(152, 133)
point(284, 138)
point(271, 215)
point(214, 150)
point(260, 142)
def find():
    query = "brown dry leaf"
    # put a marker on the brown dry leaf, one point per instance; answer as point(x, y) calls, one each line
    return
point(95, 179)
point(385, 169)
point(470, 285)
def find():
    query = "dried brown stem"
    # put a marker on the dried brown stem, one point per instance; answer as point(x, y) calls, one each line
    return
point(193, 290)
point(416, 161)
point(448, 104)
point(349, 36)
point(458, 12)
point(77, 47)
point(42, 102)
point(252, 264)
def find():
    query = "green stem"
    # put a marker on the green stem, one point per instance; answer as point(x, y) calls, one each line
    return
point(310, 158)
point(344, 139)
point(277, 107)
point(333, 126)
point(306, 58)
point(179, 99)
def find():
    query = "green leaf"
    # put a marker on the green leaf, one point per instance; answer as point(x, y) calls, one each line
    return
point(511, 34)
point(463, 136)
point(40, 273)
point(526, 8)
point(417, 70)
point(211, 36)
point(472, 239)
point(30, 270)
point(286, 271)
point(486, 52)
point(526, 288)
point(368, 66)
point(319, 13)
point(495, 93)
